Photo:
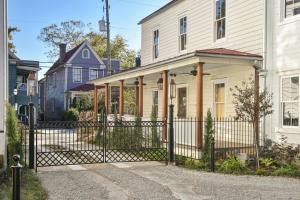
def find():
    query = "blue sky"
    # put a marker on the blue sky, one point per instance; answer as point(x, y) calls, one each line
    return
point(32, 15)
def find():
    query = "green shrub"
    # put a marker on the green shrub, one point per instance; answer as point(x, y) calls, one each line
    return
point(154, 132)
point(14, 145)
point(287, 170)
point(232, 165)
point(208, 138)
point(71, 115)
point(267, 163)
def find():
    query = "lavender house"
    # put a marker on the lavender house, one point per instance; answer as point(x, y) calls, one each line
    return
point(72, 70)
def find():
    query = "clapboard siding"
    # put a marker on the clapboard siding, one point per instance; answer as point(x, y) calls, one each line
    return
point(245, 21)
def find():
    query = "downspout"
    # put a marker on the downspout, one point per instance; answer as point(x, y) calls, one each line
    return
point(265, 54)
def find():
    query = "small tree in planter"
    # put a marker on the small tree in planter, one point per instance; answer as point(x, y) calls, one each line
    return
point(155, 133)
point(252, 105)
point(208, 137)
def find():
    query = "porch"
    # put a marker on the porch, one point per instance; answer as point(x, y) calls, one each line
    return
point(203, 81)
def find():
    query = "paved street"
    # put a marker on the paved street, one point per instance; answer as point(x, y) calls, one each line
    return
point(153, 180)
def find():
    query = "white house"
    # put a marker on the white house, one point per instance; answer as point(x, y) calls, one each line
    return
point(3, 80)
point(206, 47)
point(283, 61)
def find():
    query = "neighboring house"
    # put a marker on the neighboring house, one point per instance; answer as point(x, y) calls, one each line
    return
point(19, 71)
point(283, 61)
point(3, 80)
point(42, 84)
point(73, 69)
point(211, 46)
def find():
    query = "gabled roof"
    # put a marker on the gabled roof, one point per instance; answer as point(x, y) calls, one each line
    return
point(160, 10)
point(85, 88)
point(68, 55)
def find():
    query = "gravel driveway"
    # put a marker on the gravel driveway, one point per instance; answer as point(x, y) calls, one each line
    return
point(153, 180)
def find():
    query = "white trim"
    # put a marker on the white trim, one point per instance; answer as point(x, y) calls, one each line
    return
point(88, 53)
point(97, 73)
point(153, 44)
point(215, 82)
point(221, 40)
point(73, 74)
point(183, 15)
point(281, 101)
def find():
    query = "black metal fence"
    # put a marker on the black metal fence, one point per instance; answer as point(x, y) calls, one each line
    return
point(231, 137)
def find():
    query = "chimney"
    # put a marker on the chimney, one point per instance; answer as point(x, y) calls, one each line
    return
point(62, 51)
point(137, 61)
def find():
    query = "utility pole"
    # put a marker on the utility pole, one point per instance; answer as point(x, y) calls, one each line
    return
point(107, 7)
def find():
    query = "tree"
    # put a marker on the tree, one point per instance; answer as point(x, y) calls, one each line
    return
point(209, 134)
point(11, 31)
point(74, 32)
point(250, 106)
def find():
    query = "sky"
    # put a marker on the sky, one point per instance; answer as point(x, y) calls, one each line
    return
point(30, 16)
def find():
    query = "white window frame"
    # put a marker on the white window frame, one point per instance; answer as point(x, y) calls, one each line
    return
point(154, 45)
point(88, 53)
point(182, 34)
point(281, 102)
point(284, 10)
point(93, 70)
point(214, 83)
point(216, 39)
point(73, 73)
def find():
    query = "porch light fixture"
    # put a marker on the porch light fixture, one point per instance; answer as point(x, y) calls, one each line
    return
point(172, 89)
point(31, 85)
point(160, 83)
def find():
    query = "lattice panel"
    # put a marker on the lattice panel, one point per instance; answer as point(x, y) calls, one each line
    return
point(136, 155)
point(45, 159)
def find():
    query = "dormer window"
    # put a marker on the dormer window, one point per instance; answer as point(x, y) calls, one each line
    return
point(292, 7)
point(85, 54)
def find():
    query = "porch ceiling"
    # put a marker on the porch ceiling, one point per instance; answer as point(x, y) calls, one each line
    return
point(182, 65)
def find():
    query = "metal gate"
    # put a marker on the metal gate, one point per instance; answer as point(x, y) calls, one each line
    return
point(73, 143)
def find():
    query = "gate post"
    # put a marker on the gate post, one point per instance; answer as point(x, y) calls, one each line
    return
point(171, 136)
point(31, 136)
point(16, 170)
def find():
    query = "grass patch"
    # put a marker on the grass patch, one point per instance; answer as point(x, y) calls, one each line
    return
point(31, 188)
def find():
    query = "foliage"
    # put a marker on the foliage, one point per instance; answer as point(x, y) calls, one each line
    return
point(83, 103)
point(138, 131)
point(282, 153)
point(130, 100)
point(71, 115)
point(74, 32)
point(11, 31)
point(208, 137)
point(31, 187)
point(14, 145)
point(267, 162)
point(154, 131)
point(232, 165)
point(287, 170)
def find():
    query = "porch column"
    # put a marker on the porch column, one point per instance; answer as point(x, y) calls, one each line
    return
point(107, 98)
point(256, 82)
point(121, 99)
point(165, 103)
point(96, 103)
point(141, 85)
point(199, 106)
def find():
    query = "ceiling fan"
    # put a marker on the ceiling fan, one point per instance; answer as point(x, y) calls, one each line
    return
point(194, 72)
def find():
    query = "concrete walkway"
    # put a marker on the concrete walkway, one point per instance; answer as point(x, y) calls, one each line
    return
point(153, 180)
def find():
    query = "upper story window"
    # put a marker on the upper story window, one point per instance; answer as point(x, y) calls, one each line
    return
point(93, 74)
point(220, 19)
point(77, 75)
point(182, 33)
point(290, 101)
point(85, 54)
point(54, 79)
point(292, 7)
point(156, 44)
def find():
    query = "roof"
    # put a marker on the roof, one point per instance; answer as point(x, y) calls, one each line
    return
point(160, 10)
point(227, 52)
point(85, 88)
point(67, 56)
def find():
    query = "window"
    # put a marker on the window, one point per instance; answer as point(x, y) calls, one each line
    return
point(93, 74)
point(85, 54)
point(155, 44)
point(182, 33)
point(155, 101)
point(182, 103)
point(220, 19)
point(20, 79)
point(54, 79)
point(219, 103)
point(292, 7)
point(77, 75)
point(290, 101)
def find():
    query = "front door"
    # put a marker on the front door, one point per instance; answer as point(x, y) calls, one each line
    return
point(182, 103)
